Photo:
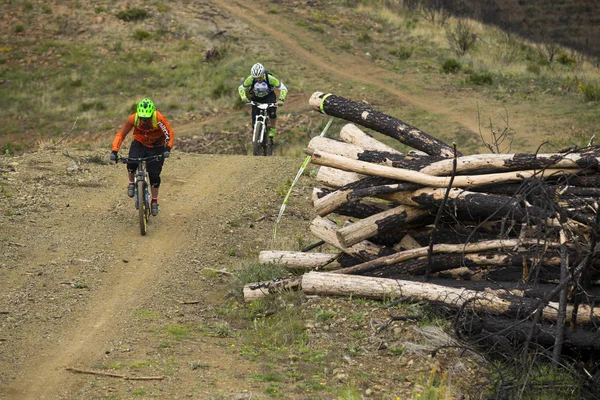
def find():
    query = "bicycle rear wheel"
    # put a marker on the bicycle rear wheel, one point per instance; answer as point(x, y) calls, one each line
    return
point(143, 206)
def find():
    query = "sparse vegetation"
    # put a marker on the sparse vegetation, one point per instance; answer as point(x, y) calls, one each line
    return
point(132, 14)
point(293, 335)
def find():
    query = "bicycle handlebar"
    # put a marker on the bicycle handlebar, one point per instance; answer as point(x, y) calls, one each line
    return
point(262, 105)
point(126, 160)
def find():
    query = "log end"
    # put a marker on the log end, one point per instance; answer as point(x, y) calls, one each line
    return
point(315, 100)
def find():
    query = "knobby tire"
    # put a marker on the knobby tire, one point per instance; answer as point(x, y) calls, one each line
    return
point(257, 145)
point(143, 206)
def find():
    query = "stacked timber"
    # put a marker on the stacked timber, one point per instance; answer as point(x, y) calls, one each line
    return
point(512, 235)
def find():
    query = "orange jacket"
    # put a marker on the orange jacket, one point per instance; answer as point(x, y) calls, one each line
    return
point(155, 133)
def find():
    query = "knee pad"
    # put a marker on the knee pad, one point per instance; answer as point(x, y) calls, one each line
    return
point(154, 180)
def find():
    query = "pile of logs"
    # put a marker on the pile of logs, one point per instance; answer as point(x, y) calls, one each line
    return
point(509, 236)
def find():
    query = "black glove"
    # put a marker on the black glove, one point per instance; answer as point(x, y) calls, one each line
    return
point(167, 152)
point(114, 156)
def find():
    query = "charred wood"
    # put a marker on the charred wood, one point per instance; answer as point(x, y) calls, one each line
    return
point(349, 110)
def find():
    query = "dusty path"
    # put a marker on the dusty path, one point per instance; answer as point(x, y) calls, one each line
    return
point(52, 326)
point(353, 69)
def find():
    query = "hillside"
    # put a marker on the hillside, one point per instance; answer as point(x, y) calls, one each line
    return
point(81, 288)
point(574, 24)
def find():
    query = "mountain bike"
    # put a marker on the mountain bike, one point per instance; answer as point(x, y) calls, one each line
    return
point(141, 188)
point(262, 144)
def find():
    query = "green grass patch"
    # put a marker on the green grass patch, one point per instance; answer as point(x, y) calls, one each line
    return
point(132, 14)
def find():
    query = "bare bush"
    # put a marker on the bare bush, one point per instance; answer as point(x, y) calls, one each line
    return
point(462, 37)
point(434, 11)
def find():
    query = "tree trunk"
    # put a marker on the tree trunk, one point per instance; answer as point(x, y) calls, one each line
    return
point(350, 133)
point(331, 284)
point(519, 330)
point(512, 162)
point(396, 219)
point(471, 206)
point(298, 260)
point(255, 291)
point(326, 230)
point(353, 152)
point(354, 209)
point(336, 178)
point(442, 248)
point(362, 167)
point(445, 262)
point(349, 110)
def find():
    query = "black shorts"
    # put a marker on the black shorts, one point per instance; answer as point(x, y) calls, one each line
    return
point(138, 150)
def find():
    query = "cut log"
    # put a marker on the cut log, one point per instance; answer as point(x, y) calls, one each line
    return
point(445, 262)
point(352, 134)
point(336, 178)
point(365, 168)
point(331, 284)
point(355, 209)
point(512, 162)
point(255, 291)
point(469, 206)
point(326, 230)
point(298, 260)
point(519, 330)
point(393, 220)
point(443, 248)
point(412, 162)
point(349, 110)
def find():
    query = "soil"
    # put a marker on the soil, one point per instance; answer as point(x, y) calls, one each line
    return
point(80, 288)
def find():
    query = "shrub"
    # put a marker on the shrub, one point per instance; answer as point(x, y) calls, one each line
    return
point(364, 38)
point(591, 91)
point(565, 59)
point(461, 38)
point(132, 14)
point(482, 78)
point(19, 28)
point(141, 34)
point(534, 69)
point(402, 52)
point(93, 105)
point(451, 66)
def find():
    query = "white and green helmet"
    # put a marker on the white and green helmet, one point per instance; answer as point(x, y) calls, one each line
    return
point(257, 70)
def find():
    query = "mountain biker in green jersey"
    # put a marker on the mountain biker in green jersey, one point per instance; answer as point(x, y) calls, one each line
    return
point(261, 86)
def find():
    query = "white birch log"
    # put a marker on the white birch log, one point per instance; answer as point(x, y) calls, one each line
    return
point(335, 147)
point(326, 230)
point(482, 162)
point(253, 291)
point(352, 134)
point(299, 260)
point(330, 284)
point(361, 167)
point(336, 178)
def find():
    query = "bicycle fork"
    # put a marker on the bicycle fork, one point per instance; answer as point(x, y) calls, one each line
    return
point(140, 177)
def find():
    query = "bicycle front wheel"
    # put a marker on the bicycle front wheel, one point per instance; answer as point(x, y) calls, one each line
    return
point(257, 138)
point(143, 206)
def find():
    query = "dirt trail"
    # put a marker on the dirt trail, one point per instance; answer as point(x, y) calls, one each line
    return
point(94, 231)
point(348, 67)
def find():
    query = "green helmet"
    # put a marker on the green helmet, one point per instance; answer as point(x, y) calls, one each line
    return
point(145, 108)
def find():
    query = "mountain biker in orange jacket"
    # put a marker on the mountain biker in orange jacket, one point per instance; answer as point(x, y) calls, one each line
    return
point(152, 135)
point(261, 85)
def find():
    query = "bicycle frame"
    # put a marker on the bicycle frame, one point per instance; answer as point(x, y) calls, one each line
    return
point(260, 129)
point(141, 188)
